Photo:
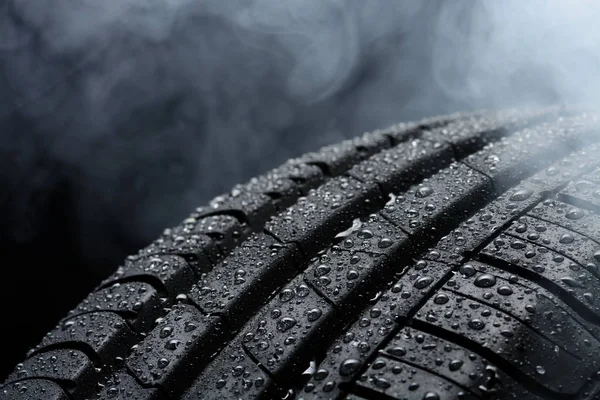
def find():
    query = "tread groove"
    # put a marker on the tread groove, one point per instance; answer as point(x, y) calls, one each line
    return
point(473, 298)
point(473, 207)
point(506, 367)
point(481, 245)
point(414, 365)
point(577, 202)
point(298, 254)
point(549, 285)
point(565, 255)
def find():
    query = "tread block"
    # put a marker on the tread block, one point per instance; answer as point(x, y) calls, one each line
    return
point(533, 357)
point(358, 343)
point(582, 193)
point(173, 273)
point(64, 365)
point(396, 168)
point(253, 203)
point(251, 272)
point(361, 340)
point(474, 231)
point(232, 375)
point(436, 204)
point(224, 229)
point(33, 389)
point(514, 202)
point(575, 219)
point(138, 302)
point(397, 380)
point(294, 318)
point(511, 158)
point(305, 176)
point(570, 244)
point(558, 274)
point(404, 131)
point(168, 355)
point(105, 333)
point(338, 158)
point(198, 250)
point(467, 134)
point(253, 208)
point(364, 258)
point(122, 386)
point(461, 367)
point(315, 219)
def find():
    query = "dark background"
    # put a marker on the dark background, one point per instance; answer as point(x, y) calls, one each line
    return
point(118, 118)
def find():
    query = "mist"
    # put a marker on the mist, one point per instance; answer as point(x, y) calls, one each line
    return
point(126, 114)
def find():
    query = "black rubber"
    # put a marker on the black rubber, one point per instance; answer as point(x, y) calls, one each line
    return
point(453, 258)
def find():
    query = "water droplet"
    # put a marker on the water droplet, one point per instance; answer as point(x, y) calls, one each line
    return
point(431, 396)
point(569, 281)
point(378, 364)
point(566, 238)
point(321, 374)
point(485, 281)
point(302, 290)
point(352, 274)
point(165, 331)
point(518, 244)
point(455, 365)
point(322, 270)
point(505, 290)
point(314, 314)
point(289, 340)
point(540, 370)
point(423, 191)
point(476, 324)
point(381, 383)
point(329, 386)
point(162, 363)
point(285, 324)
point(520, 195)
point(467, 270)
point(262, 345)
point(365, 234)
point(375, 312)
point(189, 326)
point(441, 298)
point(530, 308)
point(574, 213)
point(384, 243)
point(172, 344)
point(423, 282)
point(349, 366)
point(286, 295)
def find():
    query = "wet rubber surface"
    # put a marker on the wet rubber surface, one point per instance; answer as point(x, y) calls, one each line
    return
point(452, 258)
